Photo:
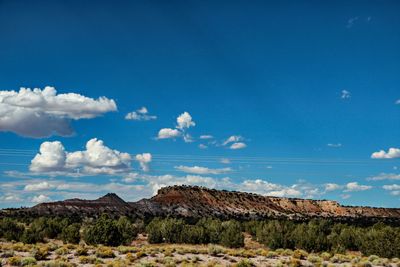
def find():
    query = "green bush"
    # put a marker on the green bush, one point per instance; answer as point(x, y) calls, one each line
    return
point(103, 231)
point(10, 229)
point(71, 234)
point(231, 235)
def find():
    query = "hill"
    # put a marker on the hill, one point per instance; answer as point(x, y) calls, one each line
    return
point(197, 202)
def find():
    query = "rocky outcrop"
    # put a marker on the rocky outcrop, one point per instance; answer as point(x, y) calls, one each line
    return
point(197, 202)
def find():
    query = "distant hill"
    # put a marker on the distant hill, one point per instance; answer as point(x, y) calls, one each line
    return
point(197, 202)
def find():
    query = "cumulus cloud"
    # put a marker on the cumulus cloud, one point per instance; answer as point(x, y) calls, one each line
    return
point(144, 161)
point(42, 113)
point(354, 186)
point(141, 114)
point(202, 170)
point(167, 133)
point(345, 94)
point(185, 121)
point(96, 159)
point(40, 199)
point(238, 145)
point(390, 154)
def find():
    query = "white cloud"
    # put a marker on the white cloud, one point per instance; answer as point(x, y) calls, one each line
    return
point(394, 189)
point(131, 177)
point(202, 170)
point(140, 115)
point(391, 187)
point(51, 157)
point(185, 121)
point(40, 199)
point(96, 159)
point(42, 113)
point(354, 186)
point(203, 146)
point(266, 188)
point(345, 196)
point(391, 154)
point(206, 136)
point(239, 145)
point(188, 138)
point(38, 186)
point(232, 139)
point(144, 161)
point(10, 198)
point(332, 187)
point(385, 176)
point(398, 102)
point(166, 133)
point(345, 94)
point(334, 145)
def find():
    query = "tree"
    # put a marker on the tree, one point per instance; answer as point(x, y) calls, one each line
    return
point(231, 235)
point(127, 230)
point(10, 229)
point(71, 234)
point(104, 231)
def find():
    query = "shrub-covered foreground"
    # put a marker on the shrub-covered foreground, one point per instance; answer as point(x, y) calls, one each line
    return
point(313, 236)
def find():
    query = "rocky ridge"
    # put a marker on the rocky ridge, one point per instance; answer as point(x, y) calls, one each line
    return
point(197, 202)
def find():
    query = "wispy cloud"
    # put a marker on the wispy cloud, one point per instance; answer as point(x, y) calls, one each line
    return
point(202, 170)
point(345, 94)
point(337, 145)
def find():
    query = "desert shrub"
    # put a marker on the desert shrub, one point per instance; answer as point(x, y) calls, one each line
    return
point(275, 234)
point(40, 253)
point(127, 229)
point(14, 261)
point(87, 259)
point(104, 252)
point(381, 240)
point(81, 251)
point(29, 236)
point(10, 229)
point(212, 229)
point(193, 234)
point(62, 251)
point(28, 261)
point(154, 232)
point(70, 234)
point(103, 231)
point(312, 236)
point(231, 235)
point(245, 263)
point(214, 250)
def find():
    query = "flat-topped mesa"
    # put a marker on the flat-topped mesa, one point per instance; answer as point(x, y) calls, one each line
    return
point(197, 202)
point(190, 201)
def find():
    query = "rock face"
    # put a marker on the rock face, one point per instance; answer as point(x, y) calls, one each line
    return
point(197, 202)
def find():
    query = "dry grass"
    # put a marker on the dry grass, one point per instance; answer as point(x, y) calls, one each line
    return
point(55, 254)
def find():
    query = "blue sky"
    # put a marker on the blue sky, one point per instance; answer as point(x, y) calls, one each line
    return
point(309, 88)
